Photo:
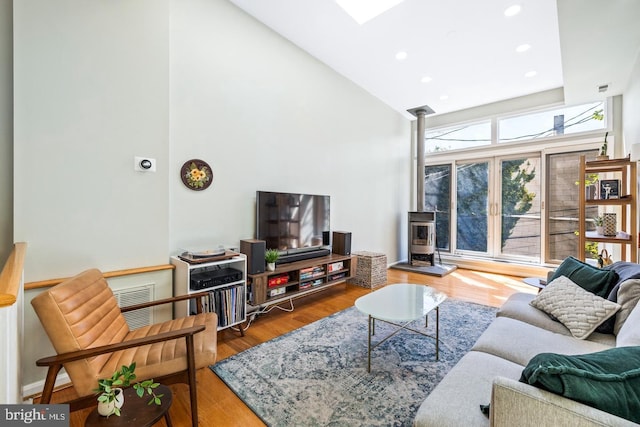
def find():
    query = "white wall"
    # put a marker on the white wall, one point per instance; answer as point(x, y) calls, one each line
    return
point(99, 82)
point(6, 129)
point(91, 91)
point(267, 116)
point(631, 108)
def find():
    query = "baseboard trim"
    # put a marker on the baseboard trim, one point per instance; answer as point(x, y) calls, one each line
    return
point(29, 391)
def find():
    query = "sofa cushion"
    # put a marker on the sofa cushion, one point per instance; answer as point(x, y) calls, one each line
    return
point(457, 398)
point(628, 297)
point(608, 380)
point(593, 279)
point(518, 341)
point(518, 306)
point(579, 310)
point(629, 334)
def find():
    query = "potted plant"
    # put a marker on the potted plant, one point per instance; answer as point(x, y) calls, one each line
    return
point(271, 256)
point(111, 397)
point(603, 150)
point(599, 220)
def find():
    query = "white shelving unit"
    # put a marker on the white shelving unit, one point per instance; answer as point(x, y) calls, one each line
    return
point(227, 294)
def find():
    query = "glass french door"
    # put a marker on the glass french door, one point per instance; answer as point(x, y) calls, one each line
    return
point(473, 206)
point(519, 215)
point(497, 206)
point(438, 199)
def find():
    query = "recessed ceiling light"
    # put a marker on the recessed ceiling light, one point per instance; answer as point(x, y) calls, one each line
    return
point(530, 74)
point(523, 48)
point(363, 11)
point(402, 55)
point(512, 10)
point(426, 79)
point(444, 97)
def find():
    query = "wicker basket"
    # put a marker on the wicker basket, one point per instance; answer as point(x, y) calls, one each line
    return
point(371, 270)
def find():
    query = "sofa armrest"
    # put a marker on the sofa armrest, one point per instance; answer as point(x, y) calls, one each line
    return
point(517, 404)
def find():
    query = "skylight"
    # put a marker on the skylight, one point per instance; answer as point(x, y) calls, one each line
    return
point(365, 10)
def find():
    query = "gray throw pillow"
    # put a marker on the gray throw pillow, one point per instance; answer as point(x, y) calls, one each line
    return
point(628, 297)
point(577, 309)
point(629, 334)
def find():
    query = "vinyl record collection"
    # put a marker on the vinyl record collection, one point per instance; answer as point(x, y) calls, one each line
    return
point(227, 303)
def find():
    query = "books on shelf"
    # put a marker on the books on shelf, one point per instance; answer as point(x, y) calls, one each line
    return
point(279, 280)
point(336, 266)
point(338, 276)
point(311, 272)
point(227, 303)
point(275, 292)
point(311, 283)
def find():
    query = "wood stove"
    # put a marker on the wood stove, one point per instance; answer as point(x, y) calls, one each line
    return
point(422, 238)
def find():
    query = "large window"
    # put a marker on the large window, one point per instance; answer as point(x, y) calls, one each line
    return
point(490, 203)
point(559, 121)
point(533, 126)
point(458, 137)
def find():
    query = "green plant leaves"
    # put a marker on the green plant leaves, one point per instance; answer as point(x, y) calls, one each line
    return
point(122, 378)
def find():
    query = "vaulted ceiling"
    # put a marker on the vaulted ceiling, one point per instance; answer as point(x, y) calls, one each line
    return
point(464, 53)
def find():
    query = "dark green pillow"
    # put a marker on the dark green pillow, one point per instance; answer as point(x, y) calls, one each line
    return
point(608, 380)
point(588, 277)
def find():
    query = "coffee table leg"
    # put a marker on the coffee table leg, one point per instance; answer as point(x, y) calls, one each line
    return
point(437, 333)
point(371, 330)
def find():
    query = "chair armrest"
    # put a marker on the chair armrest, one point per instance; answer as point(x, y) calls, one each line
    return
point(163, 301)
point(96, 351)
point(518, 404)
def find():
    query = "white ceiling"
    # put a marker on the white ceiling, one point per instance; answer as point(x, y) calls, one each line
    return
point(467, 47)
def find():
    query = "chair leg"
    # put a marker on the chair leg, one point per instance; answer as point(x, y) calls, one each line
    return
point(193, 392)
point(50, 383)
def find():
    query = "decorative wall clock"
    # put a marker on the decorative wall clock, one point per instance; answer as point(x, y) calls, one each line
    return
point(196, 174)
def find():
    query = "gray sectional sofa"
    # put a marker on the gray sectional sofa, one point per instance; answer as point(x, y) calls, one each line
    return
point(491, 371)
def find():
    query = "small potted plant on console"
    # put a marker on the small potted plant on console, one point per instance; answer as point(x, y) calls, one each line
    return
point(271, 256)
point(111, 397)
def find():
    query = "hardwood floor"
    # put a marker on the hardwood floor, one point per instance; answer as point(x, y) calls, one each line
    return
point(219, 406)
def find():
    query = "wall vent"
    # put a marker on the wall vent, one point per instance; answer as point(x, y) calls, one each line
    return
point(137, 295)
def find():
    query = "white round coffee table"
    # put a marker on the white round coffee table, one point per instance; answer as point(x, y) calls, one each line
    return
point(400, 304)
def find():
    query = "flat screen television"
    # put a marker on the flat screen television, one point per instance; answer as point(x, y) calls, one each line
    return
point(292, 222)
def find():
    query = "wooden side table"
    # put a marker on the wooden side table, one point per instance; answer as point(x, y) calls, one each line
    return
point(136, 411)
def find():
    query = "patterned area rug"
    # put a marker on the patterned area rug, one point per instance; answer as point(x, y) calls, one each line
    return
point(317, 375)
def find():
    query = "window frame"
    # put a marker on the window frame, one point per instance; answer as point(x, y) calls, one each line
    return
point(573, 142)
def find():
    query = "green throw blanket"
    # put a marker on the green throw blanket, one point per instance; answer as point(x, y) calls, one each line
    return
point(608, 380)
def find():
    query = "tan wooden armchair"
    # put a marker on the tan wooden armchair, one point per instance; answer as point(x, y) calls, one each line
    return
point(92, 339)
